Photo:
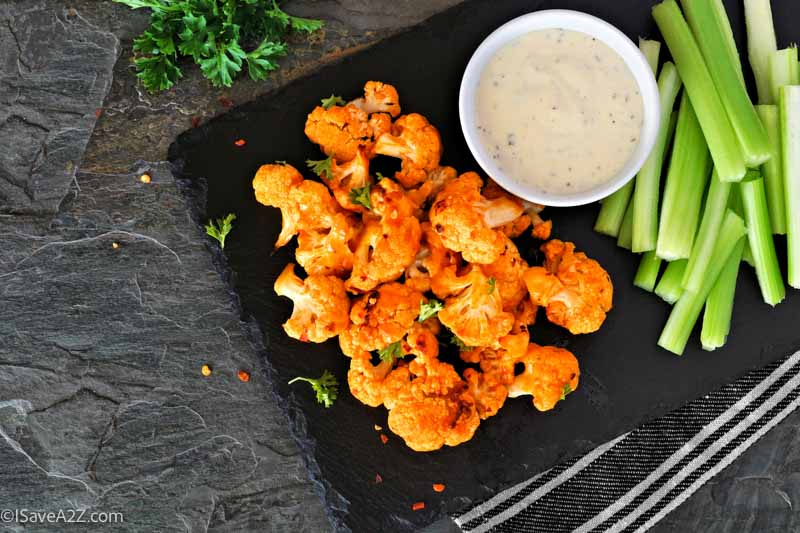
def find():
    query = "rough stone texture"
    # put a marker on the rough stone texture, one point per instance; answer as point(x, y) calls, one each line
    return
point(102, 404)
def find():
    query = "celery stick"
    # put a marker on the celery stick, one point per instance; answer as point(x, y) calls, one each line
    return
point(647, 273)
point(703, 248)
point(790, 148)
point(686, 311)
point(735, 204)
point(759, 235)
point(708, 22)
point(783, 70)
point(722, 141)
point(689, 168)
point(719, 305)
point(646, 189)
point(721, 18)
point(760, 45)
point(626, 229)
point(669, 287)
point(773, 177)
point(613, 208)
point(747, 255)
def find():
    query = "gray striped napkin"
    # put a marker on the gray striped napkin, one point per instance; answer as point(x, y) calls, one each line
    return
point(635, 480)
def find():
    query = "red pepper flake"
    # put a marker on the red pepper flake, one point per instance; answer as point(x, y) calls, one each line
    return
point(243, 375)
point(378, 478)
point(225, 101)
point(438, 487)
point(384, 438)
point(418, 506)
point(98, 112)
point(196, 121)
point(239, 142)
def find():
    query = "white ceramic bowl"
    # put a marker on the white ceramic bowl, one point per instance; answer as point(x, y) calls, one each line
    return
point(569, 20)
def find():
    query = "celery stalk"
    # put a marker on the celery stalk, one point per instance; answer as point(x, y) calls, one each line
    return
point(669, 287)
point(721, 18)
point(647, 273)
point(790, 148)
point(719, 305)
point(689, 168)
point(626, 229)
point(773, 177)
point(722, 141)
point(783, 70)
point(612, 210)
point(684, 315)
point(760, 45)
point(736, 205)
point(647, 187)
point(708, 22)
point(703, 248)
point(759, 235)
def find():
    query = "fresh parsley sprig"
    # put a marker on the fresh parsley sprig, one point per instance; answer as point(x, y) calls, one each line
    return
point(221, 228)
point(326, 387)
point(216, 34)
point(331, 101)
point(360, 196)
point(391, 352)
point(429, 309)
point(321, 167)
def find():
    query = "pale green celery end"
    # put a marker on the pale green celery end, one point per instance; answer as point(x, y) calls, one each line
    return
point(762, 245)
point(719, 304)
point(772, 171)
point(612, 211)
point(647, 273)
point(702, 250)
point(724, 23)
point(651, 50)
point(686, 311)
point(669, 287)
point(689, 169)
point(720, 136)
point(783, 70)
point(626, 229)
point(760, 44)
point(708, 26)
point(790, 148)
point(647, 188)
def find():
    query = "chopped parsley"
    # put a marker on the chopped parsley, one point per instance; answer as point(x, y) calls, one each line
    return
point(221, 228)
point(567, 390)
point(492, 283)
point(331, 101)
point(360, 196)
point(321, 168)
point(429, 309)
point(326, 387)
point(391, 352)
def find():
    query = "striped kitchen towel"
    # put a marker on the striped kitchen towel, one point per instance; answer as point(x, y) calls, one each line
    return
point(633, 481)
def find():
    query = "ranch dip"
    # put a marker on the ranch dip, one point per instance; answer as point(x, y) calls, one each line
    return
point(558, 110)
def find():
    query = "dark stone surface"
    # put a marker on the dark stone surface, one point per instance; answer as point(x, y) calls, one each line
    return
point(102, 404)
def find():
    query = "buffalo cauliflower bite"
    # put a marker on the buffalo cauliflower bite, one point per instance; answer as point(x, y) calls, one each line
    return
point(431, 259)
point(380, 318)
point(304, 204)
point(416, 143)
point(328, 251)
point(487, 390)
point(341, 130)
point(320, 309)
point(435, 182)
point(474, 309)
point(366, 380)
point(507, 272)
point(576, 291)
point(515, 228)
point(390, 240)
point(550, 374)
point(379, 97)
point(465, 220)
point(348, 176)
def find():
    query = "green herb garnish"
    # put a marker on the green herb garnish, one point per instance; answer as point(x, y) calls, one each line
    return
point(492, 283)
point(391, 352)
point(360, 196)
point(460, 344)
point(429, 309)
point(331, 101)
point(321, 167)
point(567, 389)
point(326, 387)
point(221, 228)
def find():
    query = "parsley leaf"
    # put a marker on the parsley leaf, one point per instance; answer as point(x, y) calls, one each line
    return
point(331, 101)
point(320, 167)
point(492, 284)
point(261, 61)
point(221, 229)
point(460, 344)
point(301, 24)
point(224, 64)
point(391, 352)
point(567, 390)
point(429, 309)
point(326, 387)
point(360, 196)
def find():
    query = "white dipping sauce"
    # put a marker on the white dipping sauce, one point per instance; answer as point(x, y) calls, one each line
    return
point(558, 110)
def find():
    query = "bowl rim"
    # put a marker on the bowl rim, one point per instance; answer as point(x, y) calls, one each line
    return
point(604, 32)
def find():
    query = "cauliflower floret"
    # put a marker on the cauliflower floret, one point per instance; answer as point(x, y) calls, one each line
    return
point(550, 374)
point(340, 130)
point(576, 291)
point(350, 176)
point(541, 228)
point(524, 315)
point(388, 244)
point(366, 380)
point(304, 204)
point(507, 271)
point(437, 179)
point(380, 318)
point(489, 393)
point(328, 252)
point(417, 143)
point(431, 259)
point(474, 309)
point(465, 220)
point(320, 309)
point(379, 97)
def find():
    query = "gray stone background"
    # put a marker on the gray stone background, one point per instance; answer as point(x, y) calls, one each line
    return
point(110, 301)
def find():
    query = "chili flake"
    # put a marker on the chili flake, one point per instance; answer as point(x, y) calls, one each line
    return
point(418, 506)
point(145, 178)
point(384, 438)
point(240, 142)
point(438, 487)
point(243, 375)
point(205, 370)
point(378, 478)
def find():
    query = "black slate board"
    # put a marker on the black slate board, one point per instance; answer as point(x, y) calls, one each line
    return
point(625, 378)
